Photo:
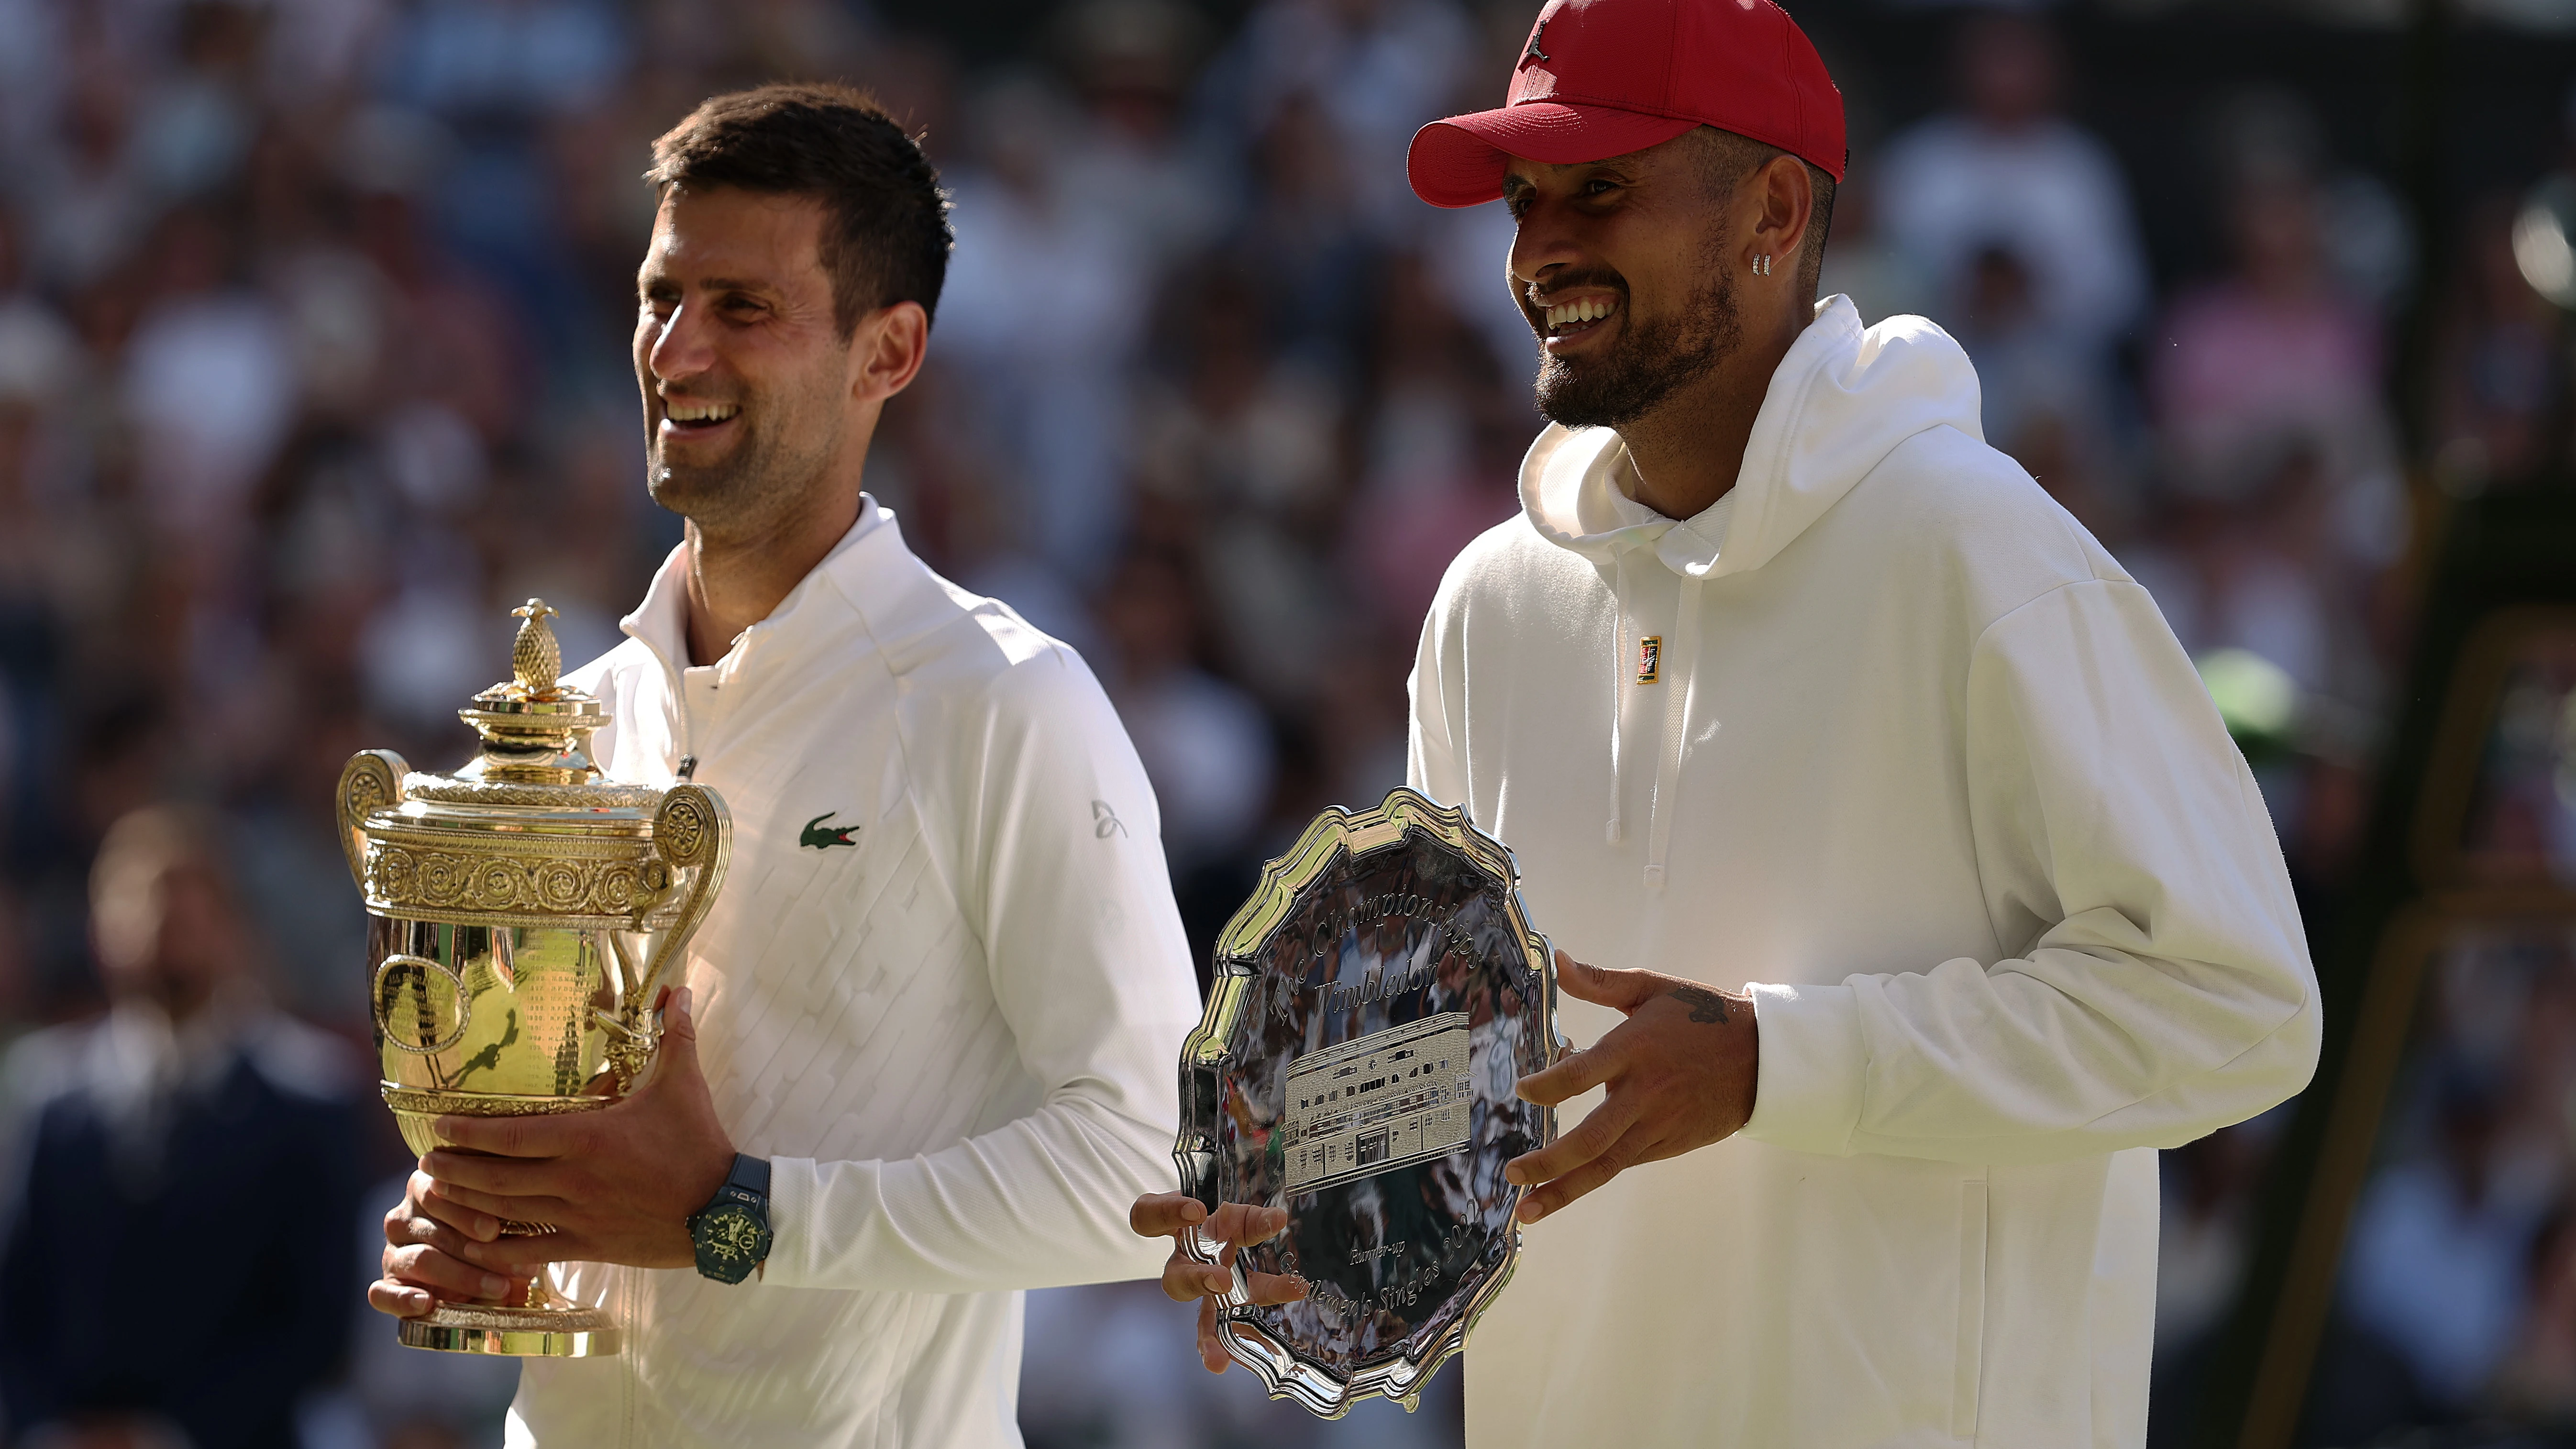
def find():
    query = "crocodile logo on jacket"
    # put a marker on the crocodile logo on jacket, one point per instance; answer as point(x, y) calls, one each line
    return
point(824, 837)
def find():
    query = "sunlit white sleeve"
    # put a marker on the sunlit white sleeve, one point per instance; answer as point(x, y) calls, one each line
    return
point(1060, 868)
point(2163, 988)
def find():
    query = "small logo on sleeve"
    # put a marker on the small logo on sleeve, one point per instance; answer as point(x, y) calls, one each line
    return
point(1105, 821)
point(824, 837)
point(1650, 658)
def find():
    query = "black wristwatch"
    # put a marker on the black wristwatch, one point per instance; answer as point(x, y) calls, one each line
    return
point(732, 1230)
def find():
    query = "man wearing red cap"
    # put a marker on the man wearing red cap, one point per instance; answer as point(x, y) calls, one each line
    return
point(1942, 898)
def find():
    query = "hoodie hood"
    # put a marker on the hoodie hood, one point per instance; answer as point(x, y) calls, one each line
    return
point(1841, 400)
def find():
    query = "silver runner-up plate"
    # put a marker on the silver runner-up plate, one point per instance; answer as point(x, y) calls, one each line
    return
point(1371, 1007)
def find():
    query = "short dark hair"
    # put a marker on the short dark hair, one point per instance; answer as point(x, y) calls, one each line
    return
point(885, 220)
point(1729, 158)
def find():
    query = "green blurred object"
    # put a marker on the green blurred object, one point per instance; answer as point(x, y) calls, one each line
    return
point(2258, 701)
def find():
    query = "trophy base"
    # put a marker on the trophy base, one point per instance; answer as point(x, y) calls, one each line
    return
point(513, 1332)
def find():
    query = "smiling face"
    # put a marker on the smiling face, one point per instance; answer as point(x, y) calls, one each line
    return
point(751, 390)
point(1624, 269)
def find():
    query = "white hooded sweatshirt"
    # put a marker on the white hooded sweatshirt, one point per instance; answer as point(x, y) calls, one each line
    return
point(1921, 768)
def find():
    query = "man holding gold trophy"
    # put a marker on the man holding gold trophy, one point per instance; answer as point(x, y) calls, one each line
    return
point(1931, 894)
point(799, 980)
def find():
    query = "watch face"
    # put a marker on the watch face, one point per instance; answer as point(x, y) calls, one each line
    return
point(729, 1237)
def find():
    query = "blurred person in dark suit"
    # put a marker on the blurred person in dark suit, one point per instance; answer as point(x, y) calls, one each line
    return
point(192, 1106)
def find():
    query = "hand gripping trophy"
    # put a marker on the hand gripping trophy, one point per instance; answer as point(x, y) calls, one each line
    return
point(523, 913)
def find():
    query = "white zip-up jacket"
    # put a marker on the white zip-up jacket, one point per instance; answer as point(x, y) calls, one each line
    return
point(1923, 770)
point(943, 989)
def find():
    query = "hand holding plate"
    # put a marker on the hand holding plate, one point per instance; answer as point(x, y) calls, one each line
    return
point(1681, 1072)
point(1235, 1226)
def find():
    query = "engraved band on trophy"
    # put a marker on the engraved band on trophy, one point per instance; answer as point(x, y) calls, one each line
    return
point(1372, 1006)
point(522, 914)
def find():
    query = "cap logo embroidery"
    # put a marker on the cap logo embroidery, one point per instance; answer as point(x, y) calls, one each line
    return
point(1650, 658)
point(1534, 53)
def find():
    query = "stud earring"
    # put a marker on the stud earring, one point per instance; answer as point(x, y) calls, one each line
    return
point(1762, 264)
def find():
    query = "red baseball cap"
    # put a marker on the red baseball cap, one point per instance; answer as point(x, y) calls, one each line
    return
point(1602, 78)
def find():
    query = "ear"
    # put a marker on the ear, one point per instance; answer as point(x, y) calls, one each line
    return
point(1785, 198)
point(886, 350)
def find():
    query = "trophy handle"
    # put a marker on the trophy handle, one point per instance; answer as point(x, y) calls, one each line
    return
point(371, 781)
point(692, 830)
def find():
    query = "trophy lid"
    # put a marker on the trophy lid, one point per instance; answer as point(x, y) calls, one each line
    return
point(528, 829)
point(533, 770)
point(535, 728)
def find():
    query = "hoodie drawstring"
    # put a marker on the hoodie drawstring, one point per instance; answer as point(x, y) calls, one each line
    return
point(1619, 670)
point(1679, 677)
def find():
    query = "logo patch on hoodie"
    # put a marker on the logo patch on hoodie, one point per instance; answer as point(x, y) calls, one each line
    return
point(824, 837)
point(1650, 658)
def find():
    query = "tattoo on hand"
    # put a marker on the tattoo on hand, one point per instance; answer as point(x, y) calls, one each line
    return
point(1705, 1005)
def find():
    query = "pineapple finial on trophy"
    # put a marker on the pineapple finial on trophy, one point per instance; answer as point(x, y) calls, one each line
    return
point(535, 727)
point(535, 658)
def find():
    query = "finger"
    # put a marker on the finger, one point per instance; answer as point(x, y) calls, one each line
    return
point(518, 1255)
point(1575, 1073)
point(1211, 1348)
point(1540, 1202)
point(1268, 1289)
point(1626, 990)
point(1592, 1138)
point(1161, 1214)
point(401, 1300)
point(1184, 1280)
point(1671, 1144)
point(426, 1267)
point(1244, 1224)
point(552, 1211)
point(498, 1176)
point(676, 1058)
point(403, 1230)
point(427, 1204)
point(527, 1136)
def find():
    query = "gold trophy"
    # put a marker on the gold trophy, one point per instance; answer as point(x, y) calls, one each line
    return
point(523, 913)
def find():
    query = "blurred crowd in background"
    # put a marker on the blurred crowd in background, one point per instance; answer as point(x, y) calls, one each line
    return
point(313, 326)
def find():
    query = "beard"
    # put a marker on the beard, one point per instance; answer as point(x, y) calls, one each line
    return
point(1650, 361)
point(784, 451)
